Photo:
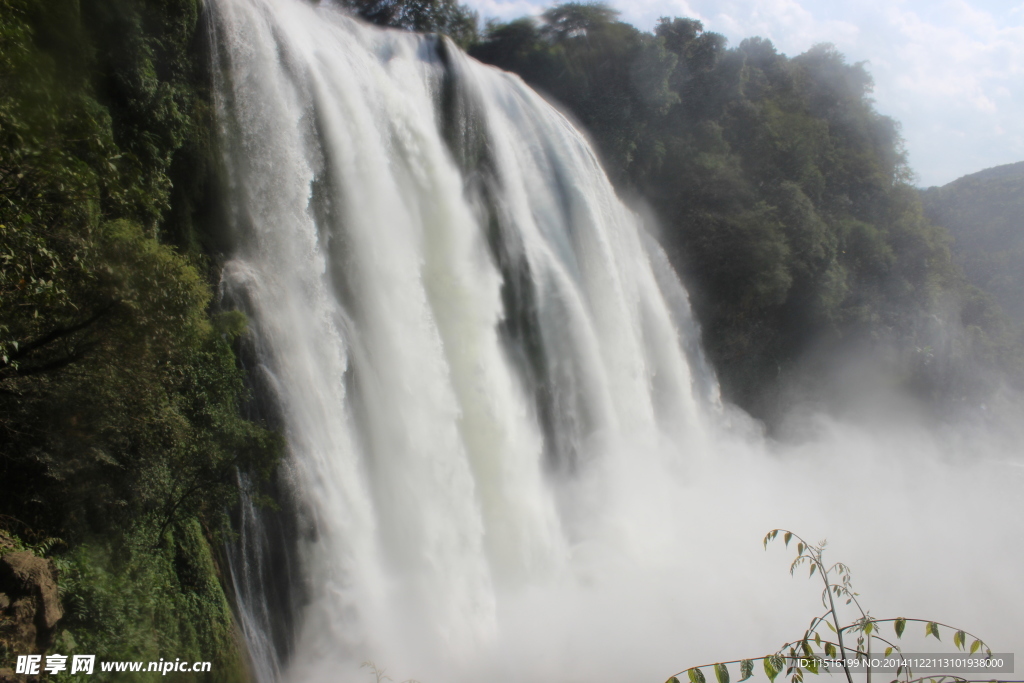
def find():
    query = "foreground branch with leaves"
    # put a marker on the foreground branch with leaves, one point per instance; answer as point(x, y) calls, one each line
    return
point(812, 650)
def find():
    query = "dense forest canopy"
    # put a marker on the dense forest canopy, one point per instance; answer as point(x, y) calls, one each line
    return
point(783, 198)
point(447, 17)
point(120, 394)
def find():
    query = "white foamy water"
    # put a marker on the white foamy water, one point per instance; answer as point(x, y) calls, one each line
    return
point(509, 457)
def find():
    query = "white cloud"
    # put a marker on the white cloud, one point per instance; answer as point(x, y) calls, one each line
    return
point(951, 72)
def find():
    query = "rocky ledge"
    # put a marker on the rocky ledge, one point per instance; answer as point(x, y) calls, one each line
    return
point(29, 606)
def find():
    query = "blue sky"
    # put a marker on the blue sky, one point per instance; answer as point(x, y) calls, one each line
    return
point(951, 71)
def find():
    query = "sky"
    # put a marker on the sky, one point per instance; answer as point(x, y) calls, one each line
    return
point(950, 71)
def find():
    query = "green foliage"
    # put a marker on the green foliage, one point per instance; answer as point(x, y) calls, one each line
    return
point(815, 650)
point(120, 395)
point(783, 195)
point(130, 603)
point(447, 17)
point(611, 76)
point(128, 404)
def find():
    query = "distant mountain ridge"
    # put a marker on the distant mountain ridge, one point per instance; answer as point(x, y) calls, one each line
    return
point(984, 212)
point(1015, 170)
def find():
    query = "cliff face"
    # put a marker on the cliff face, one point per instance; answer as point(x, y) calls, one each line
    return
point(30, 607)
point(29, 599)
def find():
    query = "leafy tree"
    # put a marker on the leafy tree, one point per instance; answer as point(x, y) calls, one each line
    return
point(456, 21)
point(611, 76)
point(121, 399)
point(576, 20)
point(112, 370)
point(783, 196)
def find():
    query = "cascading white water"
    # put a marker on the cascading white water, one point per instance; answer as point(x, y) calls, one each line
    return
point(492, 391)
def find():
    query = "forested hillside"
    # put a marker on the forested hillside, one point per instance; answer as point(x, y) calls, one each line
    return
point(784, 199)
point(984, 212)
point(120, 395)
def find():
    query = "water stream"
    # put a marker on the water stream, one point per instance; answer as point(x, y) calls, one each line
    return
point(507, 455)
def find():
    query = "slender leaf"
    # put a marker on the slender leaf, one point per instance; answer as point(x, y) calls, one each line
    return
point(769, 669)
point(722, 673)
point(975, 646)
point(746, 669)
point(900, 624)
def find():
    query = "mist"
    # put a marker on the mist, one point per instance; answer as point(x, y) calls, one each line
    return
point(511, 455)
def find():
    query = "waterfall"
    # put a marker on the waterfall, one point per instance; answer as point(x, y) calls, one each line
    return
point(487, 373)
